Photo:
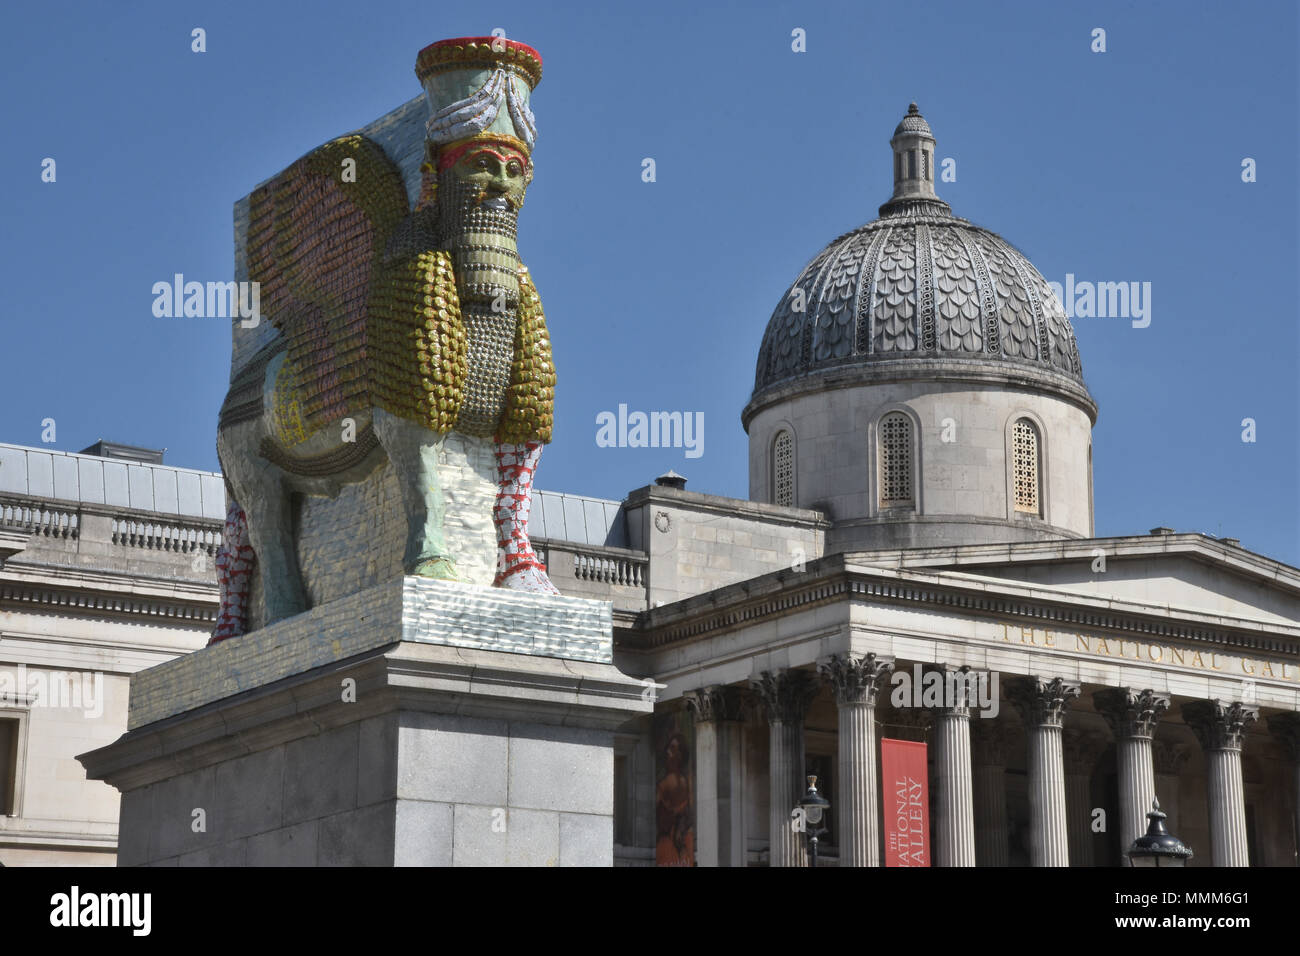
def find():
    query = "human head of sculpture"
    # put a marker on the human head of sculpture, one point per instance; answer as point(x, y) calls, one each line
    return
point(497, 167)
point(478, 166)
point(481, 128)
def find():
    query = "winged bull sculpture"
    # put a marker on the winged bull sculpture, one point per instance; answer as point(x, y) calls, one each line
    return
point(397, 327)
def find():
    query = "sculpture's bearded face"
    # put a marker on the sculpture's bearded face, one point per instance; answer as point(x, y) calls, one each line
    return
point(481, 186)
point(498, 172)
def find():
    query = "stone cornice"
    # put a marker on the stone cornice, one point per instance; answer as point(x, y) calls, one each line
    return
point(1203, 548)
point(834, 579)
point(863, 371)
point(727, 507)
point(101, 592)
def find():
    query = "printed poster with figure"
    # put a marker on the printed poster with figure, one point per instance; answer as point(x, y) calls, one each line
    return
point(674, 737)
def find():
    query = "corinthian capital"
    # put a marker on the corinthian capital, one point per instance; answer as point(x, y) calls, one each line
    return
point(856, 681)
point(1218, 724)
point(785, 694)
point(1042, 702)
point(714, 703)
point(1129, 712)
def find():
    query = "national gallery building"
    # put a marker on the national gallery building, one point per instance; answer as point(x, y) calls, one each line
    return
point(916, 562)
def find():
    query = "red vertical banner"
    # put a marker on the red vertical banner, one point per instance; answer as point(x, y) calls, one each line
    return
point(906, 801)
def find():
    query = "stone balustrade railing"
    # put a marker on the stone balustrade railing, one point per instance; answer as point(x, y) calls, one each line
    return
point(619, 575)
point(35, 517)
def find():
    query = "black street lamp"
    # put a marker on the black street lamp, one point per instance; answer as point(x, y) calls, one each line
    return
point(1158, 847)
point(814, 807)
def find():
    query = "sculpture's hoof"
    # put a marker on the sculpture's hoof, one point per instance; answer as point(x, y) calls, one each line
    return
point(529, 578)
point(440, 569)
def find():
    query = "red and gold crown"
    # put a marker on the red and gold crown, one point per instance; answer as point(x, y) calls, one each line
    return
point(465, 53)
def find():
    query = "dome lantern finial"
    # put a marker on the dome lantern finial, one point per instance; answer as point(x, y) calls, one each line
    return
point(913, 146)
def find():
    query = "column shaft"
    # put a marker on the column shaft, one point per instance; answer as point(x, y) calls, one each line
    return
point(955, 811)
point(1220, 727)
point(1137, 788)
point(786, 766)
point(991, 837)
point(858, 816)
point(1049, 840)
point(1227, 808)
point(706, 794)
point(1042, 703)
point(785, 695)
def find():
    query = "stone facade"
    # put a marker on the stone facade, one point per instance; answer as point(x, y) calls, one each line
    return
point(106, 568)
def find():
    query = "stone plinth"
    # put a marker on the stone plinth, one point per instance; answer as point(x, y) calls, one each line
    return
point(414, 723)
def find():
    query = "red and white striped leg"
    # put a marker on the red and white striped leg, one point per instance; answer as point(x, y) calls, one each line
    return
point(235, 562)
point(519, 568)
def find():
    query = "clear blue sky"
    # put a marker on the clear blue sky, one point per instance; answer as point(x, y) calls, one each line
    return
point(1117, 166)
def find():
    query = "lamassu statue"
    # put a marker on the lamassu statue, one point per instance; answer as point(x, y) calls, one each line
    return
point(397, 329)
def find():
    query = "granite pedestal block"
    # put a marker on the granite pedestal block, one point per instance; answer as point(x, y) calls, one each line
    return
point(415, 723)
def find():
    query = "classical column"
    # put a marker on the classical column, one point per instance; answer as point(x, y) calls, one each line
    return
point(954, 824)
point(1132, 716)
point(989, 741)
point(1042, 704)
point(715, 710)
point(1082, 748)
point(857, 812)
point(1169, 759)
point(1286, 728)
point(1219, 726)
point(785, 695)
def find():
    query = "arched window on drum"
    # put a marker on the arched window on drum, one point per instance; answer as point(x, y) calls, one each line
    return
point(896, 466)
point(1026, 478)
point(783, 469)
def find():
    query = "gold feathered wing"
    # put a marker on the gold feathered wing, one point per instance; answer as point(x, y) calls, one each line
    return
point(316, 233)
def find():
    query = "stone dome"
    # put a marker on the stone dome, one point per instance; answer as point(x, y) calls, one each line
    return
point(918, 283)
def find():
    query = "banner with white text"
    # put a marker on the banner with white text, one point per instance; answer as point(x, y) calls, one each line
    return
point(906, 802)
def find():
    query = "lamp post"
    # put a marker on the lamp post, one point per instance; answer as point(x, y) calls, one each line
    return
point(814, 807)
point(1158, 847)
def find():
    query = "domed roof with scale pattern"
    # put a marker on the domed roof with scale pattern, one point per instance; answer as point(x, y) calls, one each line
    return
point(918, 282)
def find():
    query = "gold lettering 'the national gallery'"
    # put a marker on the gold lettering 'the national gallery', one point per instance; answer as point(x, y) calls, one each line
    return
point(1125, 649)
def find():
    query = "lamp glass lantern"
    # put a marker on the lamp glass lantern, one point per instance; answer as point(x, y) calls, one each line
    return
point(1158, 847)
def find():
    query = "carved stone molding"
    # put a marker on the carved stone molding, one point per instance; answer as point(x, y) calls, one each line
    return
point(1129, 712)
point(715, 703)
point(1082, 748)
point(856, 681)
point(1219, 724)
point(1286, 728)
point(785, 694)
point(1042, 702)
point(1169, 758)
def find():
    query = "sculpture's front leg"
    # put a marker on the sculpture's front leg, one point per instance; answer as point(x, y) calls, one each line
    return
point(413, 451)
point(520, 569)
